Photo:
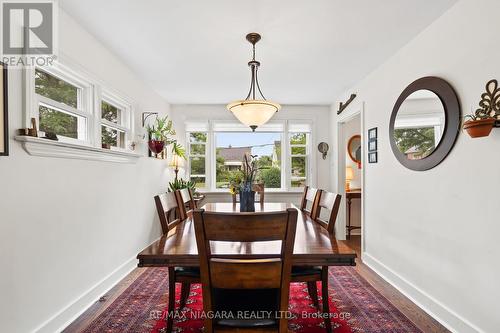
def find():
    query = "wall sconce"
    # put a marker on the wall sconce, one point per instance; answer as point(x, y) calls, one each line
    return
point(323, 149)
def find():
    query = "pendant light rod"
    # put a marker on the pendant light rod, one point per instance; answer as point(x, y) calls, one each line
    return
point(254, 38)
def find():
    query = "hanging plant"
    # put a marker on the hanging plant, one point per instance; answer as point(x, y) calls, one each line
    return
point(160, 134)
point(481, 122)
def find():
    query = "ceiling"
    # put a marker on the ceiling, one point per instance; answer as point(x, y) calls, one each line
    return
point(195, 51)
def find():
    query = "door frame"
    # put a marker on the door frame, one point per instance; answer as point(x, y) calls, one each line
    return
point(354, 111)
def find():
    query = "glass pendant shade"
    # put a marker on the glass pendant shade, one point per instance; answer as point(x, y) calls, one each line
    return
point(253, 113)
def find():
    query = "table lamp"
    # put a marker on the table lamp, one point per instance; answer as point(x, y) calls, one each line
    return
point(349, 175)
point(175, 163)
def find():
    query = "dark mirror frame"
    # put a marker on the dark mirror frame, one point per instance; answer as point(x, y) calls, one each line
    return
point(453, 116)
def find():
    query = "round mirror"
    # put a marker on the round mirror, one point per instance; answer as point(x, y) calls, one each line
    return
point(354, 149)
point(419, 124)
point(424, 123)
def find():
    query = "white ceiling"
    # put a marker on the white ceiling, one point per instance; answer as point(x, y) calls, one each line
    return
point(194, 51)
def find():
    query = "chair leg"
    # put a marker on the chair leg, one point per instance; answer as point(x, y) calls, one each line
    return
point(325, 299)
point(171, 299)
point(313, 292)
point(185, 289)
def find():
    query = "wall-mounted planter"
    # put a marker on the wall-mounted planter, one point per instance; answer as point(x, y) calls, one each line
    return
point(156, 146)
point(488, 115)
point(479, 128)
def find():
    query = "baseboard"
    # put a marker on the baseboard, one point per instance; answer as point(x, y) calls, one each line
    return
point(448, 318)
point(67, 315)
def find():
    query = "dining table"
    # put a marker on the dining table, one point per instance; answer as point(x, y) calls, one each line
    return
point(314, 245)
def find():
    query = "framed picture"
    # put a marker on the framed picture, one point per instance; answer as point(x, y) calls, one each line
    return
point(4, 121)
point(372, 134)
point(372, 145)
point(372, 157)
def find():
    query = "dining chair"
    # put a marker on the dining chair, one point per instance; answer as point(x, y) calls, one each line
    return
point(309, 199)
point(257, 188)
point(311, 274)
point(185, 202)
point(331, 202)
point(166, 205)
point(234, 283)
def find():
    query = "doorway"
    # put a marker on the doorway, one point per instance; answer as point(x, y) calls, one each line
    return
point(350, 183)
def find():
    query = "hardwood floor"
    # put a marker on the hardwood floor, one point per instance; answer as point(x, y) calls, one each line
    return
point(418, 316)
point(421, 319)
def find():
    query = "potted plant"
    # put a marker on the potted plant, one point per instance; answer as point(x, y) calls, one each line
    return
point(179, 184)
point(160, 134)
point(482, 121)
point(107, 141)
point(243, 184)
point(478, 125)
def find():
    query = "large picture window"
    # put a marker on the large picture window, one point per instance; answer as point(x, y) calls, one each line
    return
point(216, 154)
point(231, 149)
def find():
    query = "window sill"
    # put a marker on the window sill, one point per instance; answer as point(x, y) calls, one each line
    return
point(47, 148)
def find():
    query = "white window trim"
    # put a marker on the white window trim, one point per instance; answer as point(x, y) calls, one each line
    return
point(85, 109)
point(188, 153)
point(127, 120)
point(89, 107)
point(210, 172)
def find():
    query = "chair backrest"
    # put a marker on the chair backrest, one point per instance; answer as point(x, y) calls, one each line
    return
point(185, 202)
point(166, 206)
point(257, 188)
point(223, 271)
point(310, 198)
point(331, 202)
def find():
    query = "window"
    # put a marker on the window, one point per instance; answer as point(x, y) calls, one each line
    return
point(113, 131)
point(59, 107)
point(298, 159)
point(217, 149)
point(197, 158)
point(231, 149)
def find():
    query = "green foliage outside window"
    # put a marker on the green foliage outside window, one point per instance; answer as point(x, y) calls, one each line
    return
point(110, 113)
point(56, 89)
point(271, 177)
point(57, 122)
point(52, 120)
point(419, 141)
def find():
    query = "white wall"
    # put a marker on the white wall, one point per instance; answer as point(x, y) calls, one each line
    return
point(434, 234)
point(319, 115)
point(70, 229)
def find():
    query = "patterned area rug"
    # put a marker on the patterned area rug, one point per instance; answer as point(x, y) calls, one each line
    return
point(355, 306)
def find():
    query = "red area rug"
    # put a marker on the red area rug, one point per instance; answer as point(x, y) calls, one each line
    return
point(354, 304)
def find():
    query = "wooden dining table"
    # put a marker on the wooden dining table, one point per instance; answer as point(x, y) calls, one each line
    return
point(314, 246)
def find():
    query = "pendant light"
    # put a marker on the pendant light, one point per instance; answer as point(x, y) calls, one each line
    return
point(251, 111)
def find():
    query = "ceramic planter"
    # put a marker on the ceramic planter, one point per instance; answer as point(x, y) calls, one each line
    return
point(479, 128)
